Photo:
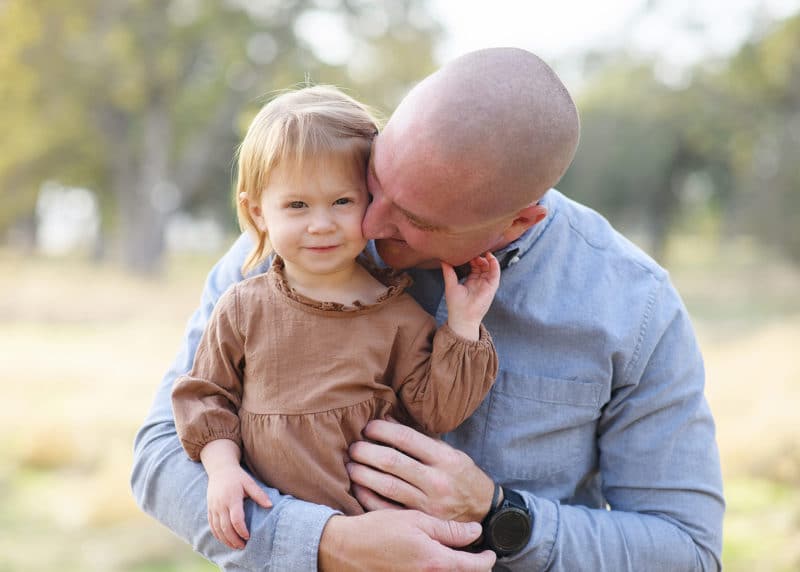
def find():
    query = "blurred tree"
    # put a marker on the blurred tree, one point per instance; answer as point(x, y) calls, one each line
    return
point(638, 146)
point(145, 101)
point(734, 127)
point(763, 86)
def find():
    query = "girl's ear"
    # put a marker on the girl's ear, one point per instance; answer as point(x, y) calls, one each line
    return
point(254, 209)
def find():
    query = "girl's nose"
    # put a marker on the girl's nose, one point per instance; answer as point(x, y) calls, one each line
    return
point(321, 222)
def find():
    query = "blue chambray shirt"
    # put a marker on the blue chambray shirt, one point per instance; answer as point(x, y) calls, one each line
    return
point(597, 417)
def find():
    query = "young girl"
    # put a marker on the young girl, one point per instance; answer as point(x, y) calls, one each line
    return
point(296, 361)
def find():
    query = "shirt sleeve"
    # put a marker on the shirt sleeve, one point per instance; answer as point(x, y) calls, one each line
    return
point(447, 378)
point(172, 488)
point(659, 464)
point(206, 400)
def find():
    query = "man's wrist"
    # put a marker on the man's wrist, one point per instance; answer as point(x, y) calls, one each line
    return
point(483, 502)
point(330, 544)
point(497, 500)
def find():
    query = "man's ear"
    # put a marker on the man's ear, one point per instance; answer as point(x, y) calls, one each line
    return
point(525, 218)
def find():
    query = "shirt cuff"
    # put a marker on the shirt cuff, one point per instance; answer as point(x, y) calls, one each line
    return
point(546, 519)
point(296, 544)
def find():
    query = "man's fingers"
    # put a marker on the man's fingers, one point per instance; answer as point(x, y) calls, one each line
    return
point(386, 485)
point(456, 535)
point(370, 501)
point(481, 562)
point(380, 459)
point(405, 439)
point(452, 533)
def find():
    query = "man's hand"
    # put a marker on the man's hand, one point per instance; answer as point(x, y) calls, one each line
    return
point(417, 472)
point(398, 540)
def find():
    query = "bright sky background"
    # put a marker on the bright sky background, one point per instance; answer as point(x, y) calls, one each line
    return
point(678, 32)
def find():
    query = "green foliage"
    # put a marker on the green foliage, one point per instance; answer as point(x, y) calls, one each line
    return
point(144, 102)
point(764, 80)
point(735, 128)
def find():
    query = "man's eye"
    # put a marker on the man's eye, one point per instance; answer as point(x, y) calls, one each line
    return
point(296, 205)
point(342, 201)
point(419, 225)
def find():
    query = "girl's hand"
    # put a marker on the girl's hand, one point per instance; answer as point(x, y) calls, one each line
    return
point(227, 487)
point(468, 303)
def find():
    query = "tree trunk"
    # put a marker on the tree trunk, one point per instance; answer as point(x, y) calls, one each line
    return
point(139, 189)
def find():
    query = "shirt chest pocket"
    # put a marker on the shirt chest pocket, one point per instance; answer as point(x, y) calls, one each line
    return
point(538, 427)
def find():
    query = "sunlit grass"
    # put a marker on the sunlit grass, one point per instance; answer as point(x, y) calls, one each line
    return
point(762, 525)
point(84, 347)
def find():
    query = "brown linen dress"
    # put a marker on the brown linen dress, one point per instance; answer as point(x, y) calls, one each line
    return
point(294, 381)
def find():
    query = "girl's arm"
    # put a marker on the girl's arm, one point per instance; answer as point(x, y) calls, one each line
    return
point(228, 486)
point(468, 302)
point(171, 488)
point(442, 381)
point(206, 401)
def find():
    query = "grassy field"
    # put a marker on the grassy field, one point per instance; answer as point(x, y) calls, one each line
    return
point(83, 347)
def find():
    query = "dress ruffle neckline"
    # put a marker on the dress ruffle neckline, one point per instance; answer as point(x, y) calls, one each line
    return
point(395, 282)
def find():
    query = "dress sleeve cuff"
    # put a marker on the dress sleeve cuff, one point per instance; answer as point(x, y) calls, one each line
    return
point(484, 337)
point(193, 448)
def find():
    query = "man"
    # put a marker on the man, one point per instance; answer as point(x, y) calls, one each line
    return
point(595, 449)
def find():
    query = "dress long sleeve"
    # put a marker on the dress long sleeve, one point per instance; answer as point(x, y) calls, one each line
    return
point(206, 400)
point(442, 381)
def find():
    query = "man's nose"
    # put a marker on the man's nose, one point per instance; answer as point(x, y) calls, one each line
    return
point(377, 221)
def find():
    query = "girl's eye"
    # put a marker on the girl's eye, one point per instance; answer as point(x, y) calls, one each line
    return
point(296, 205)
point(342, 201)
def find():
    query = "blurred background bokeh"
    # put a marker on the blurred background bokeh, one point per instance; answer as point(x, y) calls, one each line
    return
point(118, 125)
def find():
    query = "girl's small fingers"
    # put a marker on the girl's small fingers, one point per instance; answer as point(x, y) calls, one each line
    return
point(449, 275)
point(237, 521)
point(215, 528)
point(232, 538)
point(257, 494)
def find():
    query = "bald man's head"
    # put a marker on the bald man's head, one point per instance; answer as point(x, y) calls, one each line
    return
point(496, 124)
point(461, 163)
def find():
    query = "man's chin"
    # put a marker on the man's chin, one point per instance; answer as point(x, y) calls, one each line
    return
point(397, 254)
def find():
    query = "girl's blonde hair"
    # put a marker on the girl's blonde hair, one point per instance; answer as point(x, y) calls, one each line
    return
point(296, 127)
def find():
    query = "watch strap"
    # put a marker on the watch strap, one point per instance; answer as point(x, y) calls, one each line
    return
point(493, 506)
point(513, 506)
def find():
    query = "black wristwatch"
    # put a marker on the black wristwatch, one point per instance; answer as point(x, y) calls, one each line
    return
point(508, 527)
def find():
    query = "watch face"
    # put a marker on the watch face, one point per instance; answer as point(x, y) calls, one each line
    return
point(510, 530)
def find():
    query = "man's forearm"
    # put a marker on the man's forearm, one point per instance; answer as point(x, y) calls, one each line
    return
point(576, 538)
